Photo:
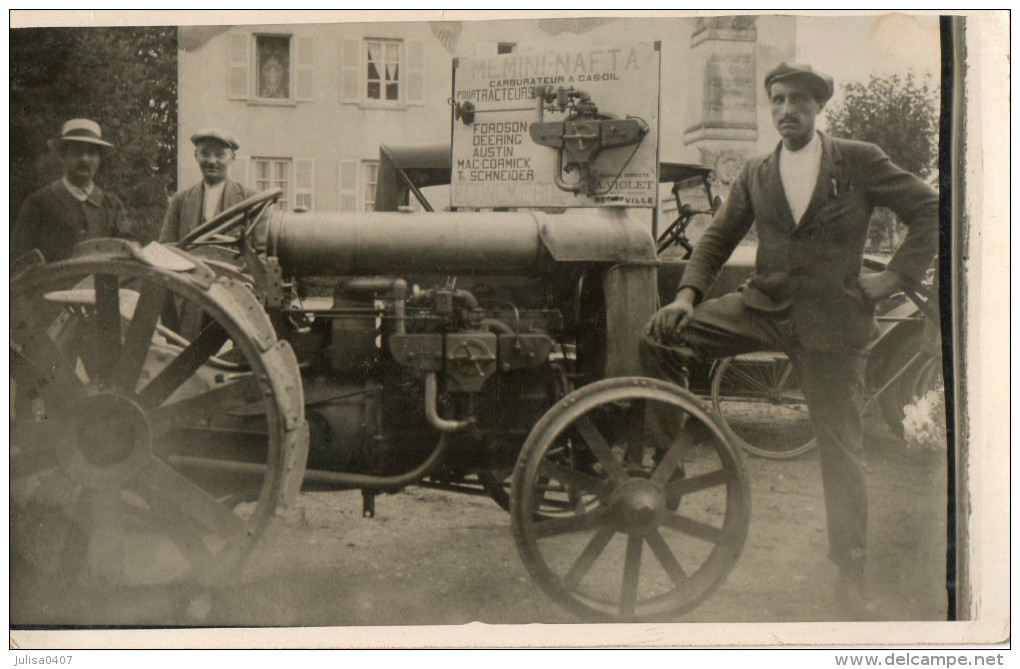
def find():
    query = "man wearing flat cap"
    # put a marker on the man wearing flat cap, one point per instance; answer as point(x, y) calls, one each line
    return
point(73, 208)
point(214, 151)
point(812, 199)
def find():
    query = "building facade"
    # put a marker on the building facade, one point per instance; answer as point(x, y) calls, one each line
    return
point(311, 103)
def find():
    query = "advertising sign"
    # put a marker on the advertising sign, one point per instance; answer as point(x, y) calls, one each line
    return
point(557, 128)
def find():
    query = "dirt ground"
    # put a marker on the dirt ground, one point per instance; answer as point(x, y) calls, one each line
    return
point(432, 557)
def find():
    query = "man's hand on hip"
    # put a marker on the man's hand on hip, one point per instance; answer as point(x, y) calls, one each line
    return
point(880, 285)
point(673, 317)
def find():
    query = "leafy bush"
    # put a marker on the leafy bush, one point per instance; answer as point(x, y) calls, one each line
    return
point(924, 422)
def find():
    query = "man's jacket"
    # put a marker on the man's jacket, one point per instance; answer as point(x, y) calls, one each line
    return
point(812, 268)
point(54, 221)
point(185, 211)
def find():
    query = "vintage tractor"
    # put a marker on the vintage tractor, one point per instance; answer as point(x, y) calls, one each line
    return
point(169, 403)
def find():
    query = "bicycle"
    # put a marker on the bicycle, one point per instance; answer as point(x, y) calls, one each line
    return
point(763, 410)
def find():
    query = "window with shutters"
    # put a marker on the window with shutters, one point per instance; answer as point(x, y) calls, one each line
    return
point(273, 173)
point(271, 69)
point(294, 176)
point(382, 70)
point(357, 184)
point(382, 73)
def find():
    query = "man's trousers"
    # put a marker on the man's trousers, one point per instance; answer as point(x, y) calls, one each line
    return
point(833, 386)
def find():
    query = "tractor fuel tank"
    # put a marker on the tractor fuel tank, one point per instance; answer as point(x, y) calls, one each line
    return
point(307, 244)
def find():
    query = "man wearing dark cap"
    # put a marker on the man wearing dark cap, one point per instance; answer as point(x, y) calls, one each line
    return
point(812, 199)
point(214, 151)
point(72, 208)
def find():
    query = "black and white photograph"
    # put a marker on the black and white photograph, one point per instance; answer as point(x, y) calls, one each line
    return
point(383, 324)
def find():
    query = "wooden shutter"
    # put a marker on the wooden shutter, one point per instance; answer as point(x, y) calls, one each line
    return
point(304, 183)
point(349, 185)
point(240, 52)
point(303, 75)
point(415, 73)
point(350, 71)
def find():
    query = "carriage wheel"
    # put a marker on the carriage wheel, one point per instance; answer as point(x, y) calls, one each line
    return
point(135, 457)
point(653, 501)
point(762, 407)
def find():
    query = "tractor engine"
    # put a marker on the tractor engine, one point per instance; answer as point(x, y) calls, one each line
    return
point(399, 363)
point(454, 327)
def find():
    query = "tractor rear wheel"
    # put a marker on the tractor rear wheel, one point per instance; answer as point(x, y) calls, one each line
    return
point(139, 456)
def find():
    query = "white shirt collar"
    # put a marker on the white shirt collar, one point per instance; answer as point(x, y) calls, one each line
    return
point(798, 171)
point(80, 194)
point(212, 196)
point(814, 145)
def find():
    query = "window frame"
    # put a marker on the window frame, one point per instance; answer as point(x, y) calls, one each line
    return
point(288, 191)
point(366, 101)
point(291, 99)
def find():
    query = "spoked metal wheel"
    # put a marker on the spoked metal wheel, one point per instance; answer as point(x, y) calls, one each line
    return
point(652, 503)
point(137, 456)
point(759, 400)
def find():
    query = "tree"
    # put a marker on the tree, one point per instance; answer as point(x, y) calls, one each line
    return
point(123, 78)
point(899, 114)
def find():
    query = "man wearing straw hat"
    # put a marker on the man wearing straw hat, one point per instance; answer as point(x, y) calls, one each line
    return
point(215, 150)
point(73, 208)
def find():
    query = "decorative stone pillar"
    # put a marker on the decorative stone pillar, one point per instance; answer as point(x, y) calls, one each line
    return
point(725, 129)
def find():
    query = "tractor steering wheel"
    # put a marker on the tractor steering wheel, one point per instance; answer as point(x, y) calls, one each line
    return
point(246, 213)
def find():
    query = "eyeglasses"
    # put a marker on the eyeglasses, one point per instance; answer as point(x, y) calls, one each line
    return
point(221, 154)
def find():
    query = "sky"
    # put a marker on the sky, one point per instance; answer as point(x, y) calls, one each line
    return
point(878, 45)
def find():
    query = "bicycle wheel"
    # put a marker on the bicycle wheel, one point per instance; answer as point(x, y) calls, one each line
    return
point(762, 407)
